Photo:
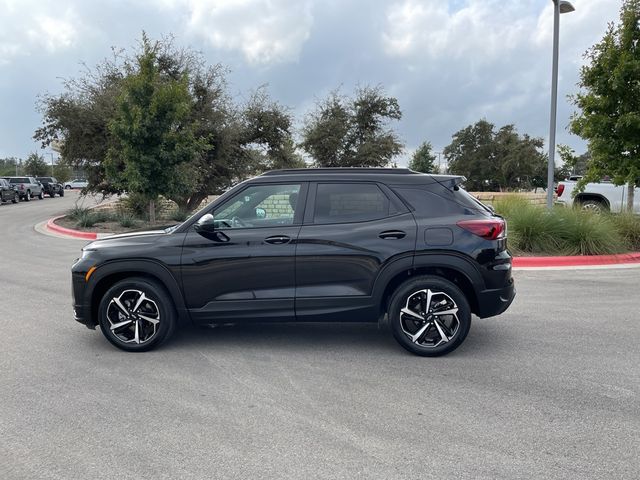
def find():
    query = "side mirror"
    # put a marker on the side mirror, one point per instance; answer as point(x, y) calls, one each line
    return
point(205, 224)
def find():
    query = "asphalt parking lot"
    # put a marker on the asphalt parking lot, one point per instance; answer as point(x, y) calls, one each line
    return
point(551, 389)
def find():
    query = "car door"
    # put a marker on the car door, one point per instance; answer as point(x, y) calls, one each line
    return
point(238, 261)
point(351, 232)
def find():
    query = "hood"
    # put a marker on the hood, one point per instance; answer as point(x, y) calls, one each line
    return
point(144, 237)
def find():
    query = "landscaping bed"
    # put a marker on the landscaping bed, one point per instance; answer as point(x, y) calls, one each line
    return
point(534, 230)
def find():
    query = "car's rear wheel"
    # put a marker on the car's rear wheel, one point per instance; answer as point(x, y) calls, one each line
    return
point(16, 198)
point(41, 195)
point(67, 187)
point(429, 316)
point(27, 196)
point(136, 315)
point(61, 193)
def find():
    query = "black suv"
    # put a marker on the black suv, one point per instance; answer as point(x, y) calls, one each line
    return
point(51, 186)
point(410, 250)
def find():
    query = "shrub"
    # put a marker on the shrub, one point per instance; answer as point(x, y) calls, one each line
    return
point(76, 212)
point(86, 219)
point(628, 227)
point(179, 215)
point(127, 220)
point(533, 229)
point(586, 233)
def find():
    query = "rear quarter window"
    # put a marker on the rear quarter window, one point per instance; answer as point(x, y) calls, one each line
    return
point(440, 203)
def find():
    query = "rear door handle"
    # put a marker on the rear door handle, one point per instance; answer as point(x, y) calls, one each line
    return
point(392, 234)
point(278, 239)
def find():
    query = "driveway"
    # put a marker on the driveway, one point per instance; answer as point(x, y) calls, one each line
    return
point(551, 389)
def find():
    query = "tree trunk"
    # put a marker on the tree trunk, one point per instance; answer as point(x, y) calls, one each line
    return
point(152, 212)
point(195, 201)
point(630, 196)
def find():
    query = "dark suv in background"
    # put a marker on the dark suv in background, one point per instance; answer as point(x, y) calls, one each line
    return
point(410, 250)
point(51, 186)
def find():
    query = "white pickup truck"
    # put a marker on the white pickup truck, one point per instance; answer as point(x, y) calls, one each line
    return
point(604, 196)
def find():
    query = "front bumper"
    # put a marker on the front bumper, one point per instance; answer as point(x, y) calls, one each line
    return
point(495, 301)
point(81, 309)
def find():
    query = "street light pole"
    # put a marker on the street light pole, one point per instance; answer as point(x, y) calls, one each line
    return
point(559, 6)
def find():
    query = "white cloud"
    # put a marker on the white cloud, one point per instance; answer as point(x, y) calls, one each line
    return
point(27, 26)
point(265, 31)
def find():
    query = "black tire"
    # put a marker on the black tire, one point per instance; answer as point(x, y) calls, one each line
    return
point(16, 198)
point(61, 193)
point(27, 196)
point(41, 195)
point(67, 187)
point(52, 194)
point(411, 291)
point(160, 300)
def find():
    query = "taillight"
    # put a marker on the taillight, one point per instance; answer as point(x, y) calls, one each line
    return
point(490, 229)
point(559, 189)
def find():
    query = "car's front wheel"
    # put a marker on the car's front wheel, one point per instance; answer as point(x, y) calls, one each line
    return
point(41, 195)
point(27, 196)
point(16, 198)
point(136, 315)
point(429, 316)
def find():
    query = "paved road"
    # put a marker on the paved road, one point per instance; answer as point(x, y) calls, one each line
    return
point(549, 390)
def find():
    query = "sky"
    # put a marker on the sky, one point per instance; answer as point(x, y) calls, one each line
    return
point(449, 63)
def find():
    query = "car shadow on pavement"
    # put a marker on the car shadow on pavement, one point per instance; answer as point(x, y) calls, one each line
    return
point(482, 338)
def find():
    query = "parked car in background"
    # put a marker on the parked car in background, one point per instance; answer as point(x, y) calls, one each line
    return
point(7, 192)
point(27, 187)
point(408, 250)
point(51, 186)
point(76, 183)
point(598, 197)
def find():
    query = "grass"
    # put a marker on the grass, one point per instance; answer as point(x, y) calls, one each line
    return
point(564, 231)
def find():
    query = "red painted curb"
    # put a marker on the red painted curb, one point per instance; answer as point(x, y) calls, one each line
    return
point(577, 260)
point(51, 225)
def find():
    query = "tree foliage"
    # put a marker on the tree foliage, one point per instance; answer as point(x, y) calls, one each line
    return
point(35, 165)
point(8, 166)
point(609, 102)
point(153, 131)
point(423, 160)
point(209, 140)
point(496, 160)
point(353, 132)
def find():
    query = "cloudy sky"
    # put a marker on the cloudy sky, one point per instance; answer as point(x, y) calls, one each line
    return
point(449, 63)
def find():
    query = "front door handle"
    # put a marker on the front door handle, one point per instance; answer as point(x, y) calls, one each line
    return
point(278, 239)
point(392, 234)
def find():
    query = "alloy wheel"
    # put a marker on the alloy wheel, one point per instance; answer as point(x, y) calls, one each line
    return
point(429, 318)
point(133, 317)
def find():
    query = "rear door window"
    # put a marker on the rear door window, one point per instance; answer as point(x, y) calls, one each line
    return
point(350, 202)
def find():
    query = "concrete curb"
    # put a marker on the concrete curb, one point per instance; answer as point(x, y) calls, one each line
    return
point(68, 232)
point(520, 263)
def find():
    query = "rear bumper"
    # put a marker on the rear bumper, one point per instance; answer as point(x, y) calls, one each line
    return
point(495, 301)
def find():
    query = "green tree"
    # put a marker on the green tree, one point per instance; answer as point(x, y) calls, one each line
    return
point(9, 166)
point(423, 160)
point(152, 129)
point(236, 140)
point(609, 103)
point(496, 160)
point(62, 172)
point(36, 166)
point(572, 164)
point(353, 132)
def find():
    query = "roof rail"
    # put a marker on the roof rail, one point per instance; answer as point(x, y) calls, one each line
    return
point(325, 170)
